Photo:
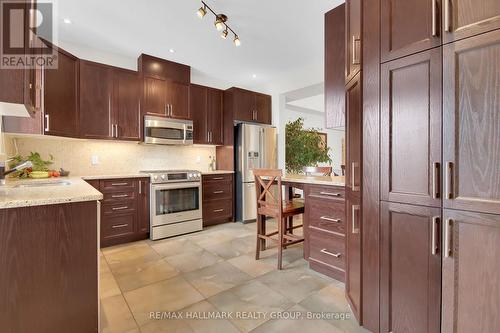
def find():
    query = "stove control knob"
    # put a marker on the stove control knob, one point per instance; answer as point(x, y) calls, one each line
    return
point(163, 177)
point(155, 177)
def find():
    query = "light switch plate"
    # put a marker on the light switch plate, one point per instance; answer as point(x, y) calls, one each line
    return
point(94, 160)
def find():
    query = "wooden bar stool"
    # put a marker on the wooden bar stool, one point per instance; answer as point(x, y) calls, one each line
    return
point(270, 203)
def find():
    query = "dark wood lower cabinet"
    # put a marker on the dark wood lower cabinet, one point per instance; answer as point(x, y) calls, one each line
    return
point(471, 272)
point(217, 200)
point(48, 276)
point(410, 282)
point(353, 252)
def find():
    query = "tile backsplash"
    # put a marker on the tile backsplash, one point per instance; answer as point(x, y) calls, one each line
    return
point(113, 157)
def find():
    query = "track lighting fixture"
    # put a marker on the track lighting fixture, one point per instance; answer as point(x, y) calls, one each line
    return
point(220, 23)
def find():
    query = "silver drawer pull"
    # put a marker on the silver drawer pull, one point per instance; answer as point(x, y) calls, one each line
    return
point(218, 210)
point(330, 194)
point(119, 226)
point(119, 196)
point(218, 192)
point(218, 178)
point(120, 208)
point(326, 218)
point(119, 184)
point(336, 255)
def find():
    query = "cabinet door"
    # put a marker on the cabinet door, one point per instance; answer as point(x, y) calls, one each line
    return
point(408, 26)
point(263, 107)
point(466, 18)
point(353, 252)
point(354, 123)
point(215, 116)
point(244, 105)
point(411, 129)
point(410, 269)
point(335, 67)
point(143, 206)
point(353, 49)
point(61, 97)
point(471, 274)
point(471, 142)
point(126, 105)
point(178, 100)
point(95, 101)
point(198, 103)
point(154, 98)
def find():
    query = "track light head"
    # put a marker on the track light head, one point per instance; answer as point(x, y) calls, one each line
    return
point(220, 22)
point(224, 34)
point(202, 11)
point(237, 40)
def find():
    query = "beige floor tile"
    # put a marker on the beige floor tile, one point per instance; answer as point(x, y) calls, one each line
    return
point(252, 298)
point(233, 248)
point(116, 316)
point(208, 325)
point(172, 247)
point(139, 274)
point(296, 326)
point(135, 254)
point(121, 247)
point(190, 261)
point(103, 265)
point(166, 326)
point(169, 295)
point(252, 267)
point(213, 279)
point(107, 285)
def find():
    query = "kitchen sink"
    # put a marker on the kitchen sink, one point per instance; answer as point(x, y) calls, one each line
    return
point(45, 183)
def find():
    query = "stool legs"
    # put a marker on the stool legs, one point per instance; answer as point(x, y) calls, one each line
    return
point(281, 227)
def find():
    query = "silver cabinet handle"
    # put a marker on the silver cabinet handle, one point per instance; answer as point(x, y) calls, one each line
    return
point(355, 58)
point(330, 194)
point(336, 255)
point(218, 192)
point(218, 210)
point(119, 196)
point(119, 226)
point(354, 165)
point(208, 136)
point(47, 123)
point(119, 184)
point(355, 228)
point(436, 188)
point(119, 208)
point(434, 19)
point(112, 130)
point(218, 178)
point(447, 238)
point(116, 131)
point(326, 218)
point(434, 231)
point(447, 27)
point(449, 181)
point(140, 186)
point(166, 110)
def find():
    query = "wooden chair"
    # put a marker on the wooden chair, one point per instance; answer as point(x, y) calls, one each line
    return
point(325, 171)
point(270, 204)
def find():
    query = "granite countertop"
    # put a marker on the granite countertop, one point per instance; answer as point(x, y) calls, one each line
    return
point(315, 180)
point(78, 190)
point(117, 176)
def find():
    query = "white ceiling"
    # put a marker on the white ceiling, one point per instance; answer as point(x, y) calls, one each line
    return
point(282, 40)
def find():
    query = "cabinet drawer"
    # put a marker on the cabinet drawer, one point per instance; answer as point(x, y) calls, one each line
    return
point(114, 226)
point(119, 208)
point(330, 218)
point(217, 210)
point(117, 185)
point(326, 192)
point(119, 196)
point(217, 178)
point(327, 249)
point(216, 190)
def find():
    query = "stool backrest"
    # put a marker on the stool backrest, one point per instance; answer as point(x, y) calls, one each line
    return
point(325, 171)
point(269, 198)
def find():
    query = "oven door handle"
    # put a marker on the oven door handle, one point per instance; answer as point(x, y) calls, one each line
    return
point(174, 187)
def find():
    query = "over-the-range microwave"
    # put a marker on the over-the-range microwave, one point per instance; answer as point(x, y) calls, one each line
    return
point(163, 131)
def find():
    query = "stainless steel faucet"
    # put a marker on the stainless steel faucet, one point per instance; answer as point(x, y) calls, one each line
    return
point(18, 167)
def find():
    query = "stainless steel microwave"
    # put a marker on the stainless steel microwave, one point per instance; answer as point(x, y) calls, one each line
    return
point(163, 131)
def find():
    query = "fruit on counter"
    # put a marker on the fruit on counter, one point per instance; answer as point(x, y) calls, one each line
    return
point(38, 165)
point(39, 174)
point(54, 173)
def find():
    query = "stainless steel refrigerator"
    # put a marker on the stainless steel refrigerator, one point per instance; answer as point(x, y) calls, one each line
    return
point(256, 148)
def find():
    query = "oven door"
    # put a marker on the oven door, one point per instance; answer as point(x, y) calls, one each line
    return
point(173, 203)
point(164, 132)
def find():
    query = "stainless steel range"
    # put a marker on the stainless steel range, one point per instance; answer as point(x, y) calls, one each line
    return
point(175, 202)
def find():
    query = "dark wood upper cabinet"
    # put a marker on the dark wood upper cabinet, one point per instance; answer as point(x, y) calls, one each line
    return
point(207, 112)
point(249, 106)
point(126, 104)
point(410, 274)
point(150, 66)
point(96, 114)
point(177, 99)
point(411, 129)
point(154, 101)
point(353, 45)
point(335, 65)
point(216, 116)
point(61, 97)
point(354, 125)
point(471, 273)
point(409, 26)
point(471, 123)
point(466, 18)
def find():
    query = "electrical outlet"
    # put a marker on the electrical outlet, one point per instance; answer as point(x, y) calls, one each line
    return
point(94, 160)
point(198, 159)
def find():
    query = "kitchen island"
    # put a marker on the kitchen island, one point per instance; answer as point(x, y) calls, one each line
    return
point(49, 256)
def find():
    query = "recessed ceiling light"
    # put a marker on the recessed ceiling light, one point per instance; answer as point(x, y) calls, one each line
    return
point(171, 51)
point(254, 76)
point(67, 21)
